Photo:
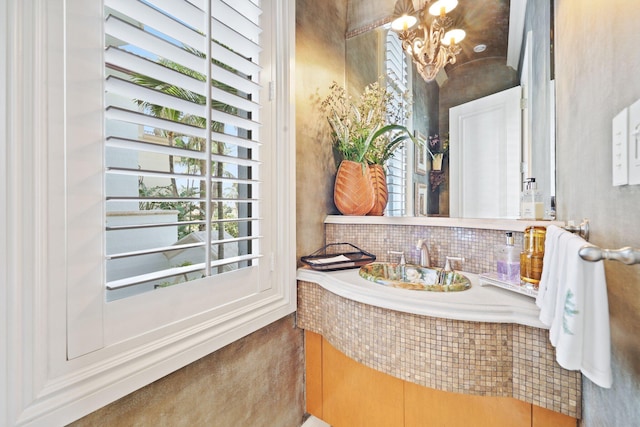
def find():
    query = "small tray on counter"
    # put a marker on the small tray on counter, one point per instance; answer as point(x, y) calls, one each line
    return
point(338, 256)
point(493, 280)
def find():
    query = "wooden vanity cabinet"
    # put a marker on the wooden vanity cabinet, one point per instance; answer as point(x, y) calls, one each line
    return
point(345, 393)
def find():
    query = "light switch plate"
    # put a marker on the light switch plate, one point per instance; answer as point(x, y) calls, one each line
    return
point(634, 143)
point(619, 148)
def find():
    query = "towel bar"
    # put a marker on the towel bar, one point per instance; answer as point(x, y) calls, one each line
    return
point(627, 255)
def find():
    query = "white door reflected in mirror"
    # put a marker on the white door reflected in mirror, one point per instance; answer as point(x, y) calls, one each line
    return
point(485, 156)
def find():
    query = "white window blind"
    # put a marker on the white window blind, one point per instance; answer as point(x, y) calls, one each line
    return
point(182, 143)
point(397, 84)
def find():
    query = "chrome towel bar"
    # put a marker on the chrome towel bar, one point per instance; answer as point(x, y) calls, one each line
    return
point(627, 255)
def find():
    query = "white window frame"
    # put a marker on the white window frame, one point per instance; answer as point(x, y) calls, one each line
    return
point(64, 352)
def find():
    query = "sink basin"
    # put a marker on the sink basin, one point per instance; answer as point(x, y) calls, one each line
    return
point(414, 277)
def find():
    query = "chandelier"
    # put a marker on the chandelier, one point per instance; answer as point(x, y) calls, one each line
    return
point(425, 34)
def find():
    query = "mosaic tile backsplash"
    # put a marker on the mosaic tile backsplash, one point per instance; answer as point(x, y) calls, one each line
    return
point(476, 246)
point(480, 358)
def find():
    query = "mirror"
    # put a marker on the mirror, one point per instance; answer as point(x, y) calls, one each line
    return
point(518, 38)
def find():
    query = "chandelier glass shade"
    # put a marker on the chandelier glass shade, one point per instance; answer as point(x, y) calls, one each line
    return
point(425, 34)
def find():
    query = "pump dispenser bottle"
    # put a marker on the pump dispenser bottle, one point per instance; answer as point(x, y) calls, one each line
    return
point(508, 261)
point(531, 205)
point(531, 258)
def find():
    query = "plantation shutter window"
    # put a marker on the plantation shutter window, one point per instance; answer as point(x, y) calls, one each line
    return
point(150, 192)
point(397, 85)
point(182, 141)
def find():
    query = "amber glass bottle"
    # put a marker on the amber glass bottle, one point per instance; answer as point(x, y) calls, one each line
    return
point(532, 255)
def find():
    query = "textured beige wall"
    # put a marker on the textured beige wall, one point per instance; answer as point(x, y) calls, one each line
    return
point(364, 59)
point(320, 60)
point(256, 381)
point(364, 12)
point(597, 75)
point(471, 81)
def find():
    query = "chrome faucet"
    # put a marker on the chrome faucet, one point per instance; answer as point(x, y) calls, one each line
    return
point(425, 259)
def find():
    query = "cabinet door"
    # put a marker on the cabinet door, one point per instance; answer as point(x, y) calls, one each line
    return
point(429, 407)
point(345, 393)
point(356, 395)
point(313, 372)
point(545, 417)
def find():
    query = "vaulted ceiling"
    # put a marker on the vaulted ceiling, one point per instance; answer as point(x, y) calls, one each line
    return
point(486, 23)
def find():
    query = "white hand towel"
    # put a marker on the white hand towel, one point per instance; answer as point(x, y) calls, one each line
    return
point(552, 270)
point(579, 326)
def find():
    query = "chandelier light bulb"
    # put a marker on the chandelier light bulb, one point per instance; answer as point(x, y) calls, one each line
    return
point(403, 16)
point(451, 38)
point(442, 7)
point(403, 23)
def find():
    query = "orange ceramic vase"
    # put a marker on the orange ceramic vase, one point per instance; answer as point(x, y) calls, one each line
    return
point(380, 191)
point(353, 191)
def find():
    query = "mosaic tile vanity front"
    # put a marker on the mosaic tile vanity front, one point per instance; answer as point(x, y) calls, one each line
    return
point(490, 359)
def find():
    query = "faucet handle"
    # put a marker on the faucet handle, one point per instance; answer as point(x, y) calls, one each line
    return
point(442, 274)
point(447, 264)
point(401, 253)
point(425, 258)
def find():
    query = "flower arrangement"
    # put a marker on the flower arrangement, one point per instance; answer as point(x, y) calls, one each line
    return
point(439, 145)
point(361, 128)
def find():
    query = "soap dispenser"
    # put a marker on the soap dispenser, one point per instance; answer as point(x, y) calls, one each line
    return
point(508, 260)
point(531, 205)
